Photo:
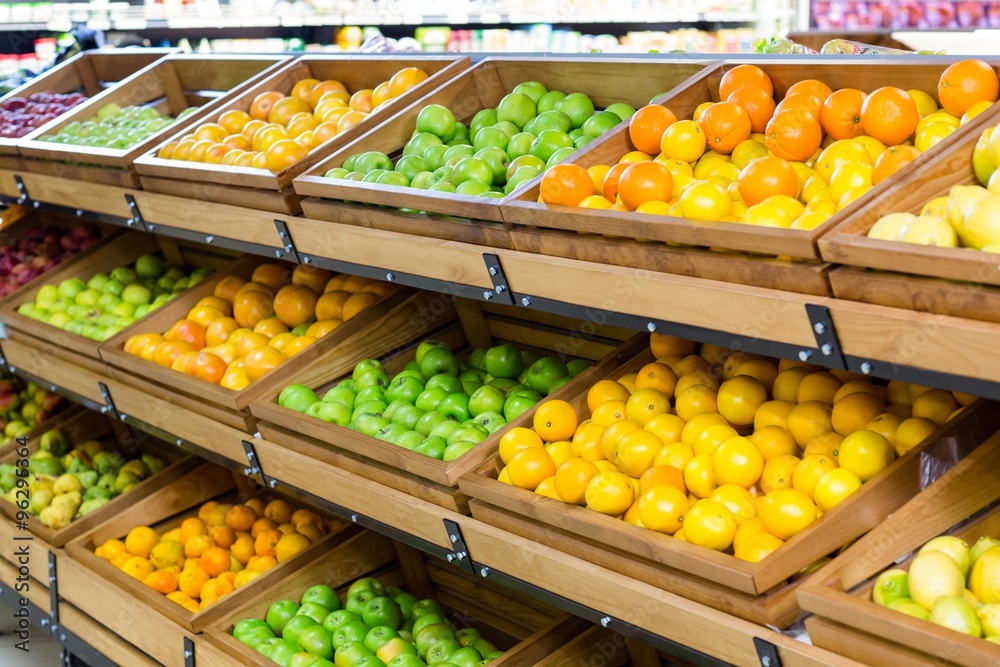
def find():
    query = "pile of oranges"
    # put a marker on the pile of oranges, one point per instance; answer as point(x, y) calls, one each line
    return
point(212, 554)
point(730, 451)
point(280, 129)
point(248, 328)
point(790, 164)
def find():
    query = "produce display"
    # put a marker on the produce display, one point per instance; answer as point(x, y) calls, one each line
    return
point(375, 625)
point(441, 404)
point(40, 249)
point(280, 129)
point(730, 451)
point(20, 116)
point(210, 555)
point(500, 149)
point(967, 217)
point(116, 127)
point(67, 481)
point(24, 406)
point(246, 329)
point(107, 303)
point(792, 164)
point(950, 584)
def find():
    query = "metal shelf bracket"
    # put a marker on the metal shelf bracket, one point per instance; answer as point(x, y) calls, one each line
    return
point(767, 653)
point(23, 199)
point(136, 221)
point(501, 288)
point(53, 593)
point(826, 337)
point(188, 652)
point(460, 555)
point(254, 470)
point(285, 237)
point(109, 403)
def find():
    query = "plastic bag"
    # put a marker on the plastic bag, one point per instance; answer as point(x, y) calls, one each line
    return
point(780, 45)
point(850, 47)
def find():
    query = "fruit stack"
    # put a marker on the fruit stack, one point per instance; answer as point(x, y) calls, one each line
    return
point(40, 249)
point(107, 303)
point(279, 130)
point(731, 451)
point(25, 406)
point(500, 149)
point(247, 328)
point(375, 625)
point(115, 127)
point(20, 116)
point(790, 164)
point(440, 404)
point(67, 481)
point(221, 549)
point(949, 584)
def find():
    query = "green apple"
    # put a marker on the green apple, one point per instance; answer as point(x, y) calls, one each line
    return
point(437, 120)
point(548, 142)
point(544, 372)
point(516, 108)
point(303, 659)
point(371, 161)
point(382, 610)
point(409, 440)
point(282, 653)
point(406, 660)
point(484, 118)
point(317, 612)
point(368, 424)
point(484, 647)
point(622, 110)
point(333, 413)
point(444, 429)
point(428, 421)
point(366, 584)
point(337, 618)
point(491, 421)
point(356, 602)
point(497, 160)
point(405, 388)
point(428, 399)
point(434, 157)
point(486, 399)
point(504, 361)
point(68, 289)
point(393, 178)
point(378, 636)
point(393, 647)
point(347, 633)
point(244, 626)
point(438, 361)
point(450, 384)
point(548, 101)
point(149, 266)
point(87, 298)
point(418, 145)
point(323, 596)
point(490, 137)
point(521, 176)
point(318, 641)
point(467, 656)
point(432, 446)
point(407, 415)
point(432, 634)
point(471, 169)
point(466, 636)
point(256, 636)
point(372, 378)
point(455, 407)
point(297, 397)
point(427, 606)
point(516, 404)
point(137, 295)
point(341, 395)
point(456, 449)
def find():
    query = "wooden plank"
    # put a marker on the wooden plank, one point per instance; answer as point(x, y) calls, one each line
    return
point(105, 642)
point(594, 645)
point(282, 201)
point(863, 646)
point(39, 362)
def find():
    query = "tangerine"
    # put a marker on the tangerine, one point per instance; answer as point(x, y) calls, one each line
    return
point(566, 184)
point(743, 76)
point(725, 125)
point(757, 103)
point(647, 125)
point(766, 177)
point(890, 115)
point(965, 83)
point(841, 113)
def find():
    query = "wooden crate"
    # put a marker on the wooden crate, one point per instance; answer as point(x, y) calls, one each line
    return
point(747, 241)
point(263, 189)
point(759, 592)
point(170, 85)
point(846, 620)
point(232, 407)
point(66, 413)
point(120, 250)
point(635, 81)
point(89, 425)
point(90, 73)
point(164, 510)
point(527, 630)
point(478, 326)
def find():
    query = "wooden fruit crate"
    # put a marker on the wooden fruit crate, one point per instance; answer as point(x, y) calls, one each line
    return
point(229, 406)
point(90, 73)
point(263, 189)
point(633, 80)
point(164, 510)
point(56, 421)
point(89, 425)
point(526, 629)
point(170, 85)
point(743, 243)
point(759, 592)
point(120, 250)
point(847, 621)
point(478, 326)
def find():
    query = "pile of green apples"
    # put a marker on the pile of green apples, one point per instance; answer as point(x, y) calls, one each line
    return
point(24, 406)
point(66, 481)
point(531, 129)
point(440, 404)
point(115, 127)
point(377, 626)
point(107, 303)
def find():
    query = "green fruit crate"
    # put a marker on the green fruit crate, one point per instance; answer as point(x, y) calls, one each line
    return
point(263, 189)
point(80, 427)
point(526, 630)
point(634, 81)
point(136, 612)
point(169, 85)
point(761, 592)
point(847, 621)
point(466, 325)
point(53, 344)
point(771, 257)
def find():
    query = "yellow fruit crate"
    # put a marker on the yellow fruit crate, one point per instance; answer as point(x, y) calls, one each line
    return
point(847, 621)
point(762, 592)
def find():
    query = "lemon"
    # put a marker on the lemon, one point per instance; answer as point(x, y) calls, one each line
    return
point(961, 200)
point(984, 580)
point(955, 547)
point(778, 473)
point(834, 486)
point(757, 547)
point(911, 432)
point(706, 201)
point(711, 437)
point(937, 206)
point(699, 476)
point(982, 157)
point(809, 471)
point(710, 524)
point(933, 575)
point(982, 545)
point(909, 607)
point(865, 453)
point(891, 227)
point(930, 230)
point(982, 227)
point(850, 175)
point(989, 616)
point(931, 134)
point(891, 585)
point(787, 512)
point(955, 613)
point(926, 105)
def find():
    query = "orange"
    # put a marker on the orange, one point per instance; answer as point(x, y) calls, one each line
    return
point(350, 119)
point(297, 345)
point(892, 160)
point(757, 547)
point(856, 386)
point(659, 475)
point(612, 434)
point(854, 411)
point(322, 88)
point(809, 420)
point(238, 142)
point(766, 177)
point(111, 549)
point(161, 581)
point(219, 331)
point(885, 425)
point(748, 529)
point(251, 307)
point(763, 370)
point(192, 581)
point(804, 101)
point(289, 545)
point(610, 493)
point(166, 151)
point(865, 453)
point(266, 137)
point(608, 412)
point(725, 125)
point(699, 476)
point(216, 152)
point(786, 385)
point(311, 277)
point(778, 473)
point(249, 342)
point(773, 442)
point(662, 508)
point(694, 401)
point(773, 413)
point(586, 442)
point(226, 288)
point(710, 524)
point(826, 444)
point(936, 405)
point(320, 328)
point(303, 89)
point(214, 560)
point(793, 134)
point(555, 420)
point(211, 132)
point(737, 461)
point(739, 398)
point(283, 154)
point(566, 184)
point(890, 115)
point(688, 364)
point(675, 454)
point(833, 487)
point(240, 518)
point(188, 331)
point(140, 541)
point(261, 361)
point(204, 315)
point(207, 366)
point(404, 79)
point(270, 327)
point(243, 549)
point(911, 432)
point(357, 303)
point(283, 109)
point(166, 352)
point(266, 542)
point(743, 76)
point(295, 305)
point(197, 545)
point(644, 182)
point(819, 386)
point(606, 390)
point(529, 467)
point(711, 437)
point(262, 563)
point(262, 524)
point(809, 471)
point(740, 502)
point(647, 125)
point(756, 102)
point(786, 513)
point(516, 439)
point(261, 106)
point(645, 404)
point(656, 376)
point(223, 536)
point(251, 128)
point(841, 114)
point(244, 577)
point(636, 451)
point(691, 378)
point(610, 186)
point(965, 83)
point(572, 478)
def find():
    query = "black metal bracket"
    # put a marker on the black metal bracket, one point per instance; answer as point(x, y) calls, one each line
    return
point(767, 653)
point(23, 199)
point(286, 242)
point(109, 403)
point(254, 470)
point(136, 221)
point(827, 341)
point(460, 556)
point(53, 592)
point(501, 288)
point(3, 359)
point(188, 652)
